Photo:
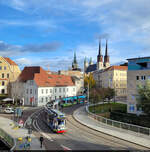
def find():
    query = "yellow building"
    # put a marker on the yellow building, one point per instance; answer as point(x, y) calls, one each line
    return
point(113, 77)
point(9, 71)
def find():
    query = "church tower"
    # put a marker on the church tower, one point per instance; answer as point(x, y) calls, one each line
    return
point(90, 62)
point(85, 64)
point(106, 57)
point(99, 58)
point(74, 64)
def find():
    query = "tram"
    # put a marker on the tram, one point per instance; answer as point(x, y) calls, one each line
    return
point(73, 100)
point(55, 120)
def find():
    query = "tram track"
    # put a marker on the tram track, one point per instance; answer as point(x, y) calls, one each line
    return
point(98, 135)
point(85, 134)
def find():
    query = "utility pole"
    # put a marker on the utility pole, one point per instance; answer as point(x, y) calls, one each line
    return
point(88, 92)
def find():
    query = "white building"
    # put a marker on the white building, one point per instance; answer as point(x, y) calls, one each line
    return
point(36, 87)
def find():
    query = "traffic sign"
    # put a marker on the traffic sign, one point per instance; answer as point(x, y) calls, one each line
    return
point(21, 122)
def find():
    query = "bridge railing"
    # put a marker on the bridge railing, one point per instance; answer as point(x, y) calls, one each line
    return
point(8, 139)
point(135, 128)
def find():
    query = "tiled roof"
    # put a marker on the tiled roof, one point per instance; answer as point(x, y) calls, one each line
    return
point(91, 68)
point(116, 67)
point(43, 79)
point(10, 61)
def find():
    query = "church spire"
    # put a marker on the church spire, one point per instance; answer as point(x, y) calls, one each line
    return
point(100, 53)
point(100, 56)
point(106, 57)
point(106, 51)
point(75, 60)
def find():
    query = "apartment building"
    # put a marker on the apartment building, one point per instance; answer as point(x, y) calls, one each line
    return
point(9, 71)
point(35, 87)
point(77, 77)
point(138, 73)
point(114, 77)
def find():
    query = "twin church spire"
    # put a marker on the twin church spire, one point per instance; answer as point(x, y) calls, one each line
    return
point(100, 63)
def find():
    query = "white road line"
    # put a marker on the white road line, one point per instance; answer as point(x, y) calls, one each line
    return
point(46, 136)
point(65, 148)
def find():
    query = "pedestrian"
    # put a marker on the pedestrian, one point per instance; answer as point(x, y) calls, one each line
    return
point(41, 140)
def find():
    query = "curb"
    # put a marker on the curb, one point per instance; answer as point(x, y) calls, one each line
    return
point(104, 132)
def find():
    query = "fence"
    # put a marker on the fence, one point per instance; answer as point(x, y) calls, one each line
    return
point(10, 141)
point(118, 124)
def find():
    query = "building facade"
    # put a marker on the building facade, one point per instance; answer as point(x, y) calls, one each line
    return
point(113, 77)
point(138, 73)
point(9, 72)
point(36, 87)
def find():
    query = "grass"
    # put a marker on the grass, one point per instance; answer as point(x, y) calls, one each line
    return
point(102, 108)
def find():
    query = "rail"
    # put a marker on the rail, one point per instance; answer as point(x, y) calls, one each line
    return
point(8, 139)
point(118, 124)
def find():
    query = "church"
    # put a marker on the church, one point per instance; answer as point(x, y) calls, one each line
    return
point(100, 65)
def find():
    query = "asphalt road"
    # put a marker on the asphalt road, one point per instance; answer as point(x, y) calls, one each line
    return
point(80, 137)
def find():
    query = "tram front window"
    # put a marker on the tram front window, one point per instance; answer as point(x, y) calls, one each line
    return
point(61, 122)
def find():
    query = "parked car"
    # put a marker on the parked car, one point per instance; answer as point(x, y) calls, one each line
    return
point(9, 110)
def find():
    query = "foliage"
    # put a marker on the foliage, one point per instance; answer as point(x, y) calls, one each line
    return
point(102, 108)
point(143, 97)
point(100, 94)
point(89, 80)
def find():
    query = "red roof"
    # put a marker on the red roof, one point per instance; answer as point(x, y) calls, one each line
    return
point(10, 61)
point(116, 67)
point(43, 79)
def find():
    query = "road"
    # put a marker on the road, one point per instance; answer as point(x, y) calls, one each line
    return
point(77, 137)
point(80, 137)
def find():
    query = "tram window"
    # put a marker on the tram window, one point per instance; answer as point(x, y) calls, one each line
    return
point(60, 122)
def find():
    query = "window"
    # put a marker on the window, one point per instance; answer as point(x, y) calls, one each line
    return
point(30, 91)
point(3, 83)
point(67, 89)
point(131, 107)
point(55, 90)
point(50, 90)
point(7, 75)
point(137, 77)
point(42, 91)
point(74, 89)
point(46, 99)
point(42, 100)
point(27, 91)
point(46, 90)
point(2, 75)
point(4, 67)
point(63, 89)
point(59, 89)
point(142, 77)
point(0, 67)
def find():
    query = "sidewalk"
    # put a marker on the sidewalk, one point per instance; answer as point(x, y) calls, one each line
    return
point(8, 126)
point(81, 116)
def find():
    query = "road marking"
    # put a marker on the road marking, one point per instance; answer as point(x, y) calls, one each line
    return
point(65, 148)
point(46, 136)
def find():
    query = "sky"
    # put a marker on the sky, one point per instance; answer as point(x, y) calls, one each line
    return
point(46, 33)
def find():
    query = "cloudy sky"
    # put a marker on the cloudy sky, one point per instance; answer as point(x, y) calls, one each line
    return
point(47, 32)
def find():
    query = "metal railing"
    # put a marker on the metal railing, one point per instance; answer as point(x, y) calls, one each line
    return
point(118, 124)
point(7, 138)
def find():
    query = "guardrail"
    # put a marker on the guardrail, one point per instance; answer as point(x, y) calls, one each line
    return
point(118, 124)
point(8, 139)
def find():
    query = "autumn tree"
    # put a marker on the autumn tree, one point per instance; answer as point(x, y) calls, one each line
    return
point(89, 80)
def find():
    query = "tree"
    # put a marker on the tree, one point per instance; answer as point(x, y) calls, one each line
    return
point(143, 97)
point(89, 80)
point(110, 93)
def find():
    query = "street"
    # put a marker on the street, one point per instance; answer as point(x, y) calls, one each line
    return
point(79, 137)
